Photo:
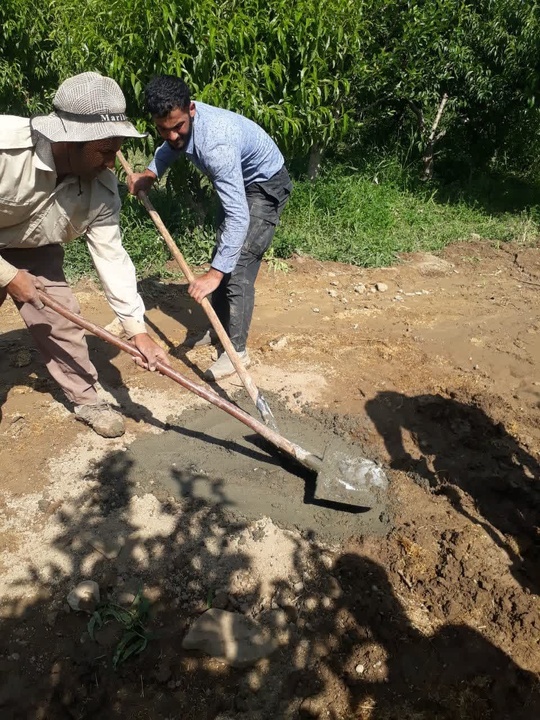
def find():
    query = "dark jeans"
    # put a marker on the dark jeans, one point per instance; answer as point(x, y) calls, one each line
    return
point(234, 298)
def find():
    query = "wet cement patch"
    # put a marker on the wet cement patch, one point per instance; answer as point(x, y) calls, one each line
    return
point(208, 455)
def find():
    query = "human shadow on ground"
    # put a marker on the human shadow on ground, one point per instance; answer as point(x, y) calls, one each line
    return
point(454, 673)
point(21, 365)
point(463, 450)
point(329, 619)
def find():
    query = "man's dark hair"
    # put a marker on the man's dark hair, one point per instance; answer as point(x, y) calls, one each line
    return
point(165, 93)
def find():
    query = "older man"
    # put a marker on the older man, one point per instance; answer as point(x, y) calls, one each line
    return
point(56, 184)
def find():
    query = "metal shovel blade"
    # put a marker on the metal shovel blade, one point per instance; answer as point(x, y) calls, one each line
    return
point(351, 480)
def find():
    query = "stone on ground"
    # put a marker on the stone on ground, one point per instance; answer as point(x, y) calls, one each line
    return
point(84, 597)
point(233, 638)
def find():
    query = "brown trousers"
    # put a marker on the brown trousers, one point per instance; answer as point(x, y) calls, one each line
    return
point(61, 343)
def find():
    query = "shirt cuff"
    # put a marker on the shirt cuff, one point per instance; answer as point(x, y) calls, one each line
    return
point(222, 267)
point(7, 272)
point(133, 327)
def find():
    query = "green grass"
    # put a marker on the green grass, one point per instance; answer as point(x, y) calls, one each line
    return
point(364, 218)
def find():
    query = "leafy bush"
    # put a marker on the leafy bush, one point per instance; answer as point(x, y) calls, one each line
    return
point(312, 72)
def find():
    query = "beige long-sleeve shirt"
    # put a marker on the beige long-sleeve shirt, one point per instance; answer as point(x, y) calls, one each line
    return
point(34, 211)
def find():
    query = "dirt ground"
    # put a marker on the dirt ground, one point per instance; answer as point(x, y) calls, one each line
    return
point(426, 609)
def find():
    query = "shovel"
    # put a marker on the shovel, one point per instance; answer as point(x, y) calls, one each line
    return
point(245, 377)
point(341, 478)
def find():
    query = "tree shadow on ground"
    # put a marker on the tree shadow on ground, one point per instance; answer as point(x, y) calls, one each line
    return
point(462, 450)
point(330, 618)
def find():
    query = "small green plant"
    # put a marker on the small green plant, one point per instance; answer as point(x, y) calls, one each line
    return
point(276, 264)
point(133, 620)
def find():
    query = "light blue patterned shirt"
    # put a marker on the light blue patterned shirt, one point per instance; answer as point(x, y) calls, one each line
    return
point(233, 152)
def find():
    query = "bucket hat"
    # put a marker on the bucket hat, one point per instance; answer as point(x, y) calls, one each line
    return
point(87, 107)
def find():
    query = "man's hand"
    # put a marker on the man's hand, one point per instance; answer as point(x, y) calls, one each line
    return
point(206, 284)
point(23, 288)
point(140, 181)
point(151, 351)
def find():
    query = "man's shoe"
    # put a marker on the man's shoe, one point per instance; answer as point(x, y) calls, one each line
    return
point(208, 337)
point(102, 419)
point(223, 367)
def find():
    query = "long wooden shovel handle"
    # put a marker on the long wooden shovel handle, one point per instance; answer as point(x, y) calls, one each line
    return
point(298, 453)
point(245, 377)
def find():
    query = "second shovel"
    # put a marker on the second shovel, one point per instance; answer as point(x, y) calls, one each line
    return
point(254, 393)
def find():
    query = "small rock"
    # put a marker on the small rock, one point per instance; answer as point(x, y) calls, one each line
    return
point(15, 656)
point(332, 293)
point(334, 282)
point(327, 561)
point(360, 288)
point(126, 598)
point(316, 310)
point(359, 669)
point(109, 545)
point(43, 505)
point(84, 597)
point(279, 343)
point(285, 598)
point(381, 287)
point(298, 587)
point(311, 603)
point(431, 265)
point(236, 639)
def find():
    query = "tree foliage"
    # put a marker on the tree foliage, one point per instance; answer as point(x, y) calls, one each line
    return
point(312, 72)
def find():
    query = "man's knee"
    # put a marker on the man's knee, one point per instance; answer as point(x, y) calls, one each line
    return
point(63, 294)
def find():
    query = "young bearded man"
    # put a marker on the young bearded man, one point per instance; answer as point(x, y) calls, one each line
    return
point(249, 175)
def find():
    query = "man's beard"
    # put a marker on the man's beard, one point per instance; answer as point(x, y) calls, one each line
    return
point(185, 138)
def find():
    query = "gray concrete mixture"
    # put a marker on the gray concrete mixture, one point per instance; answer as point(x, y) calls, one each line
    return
point(209, 455)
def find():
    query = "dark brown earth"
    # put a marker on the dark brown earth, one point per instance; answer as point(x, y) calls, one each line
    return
point(438, 619)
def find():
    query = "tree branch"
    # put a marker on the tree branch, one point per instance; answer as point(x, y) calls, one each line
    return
point(432, 139)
